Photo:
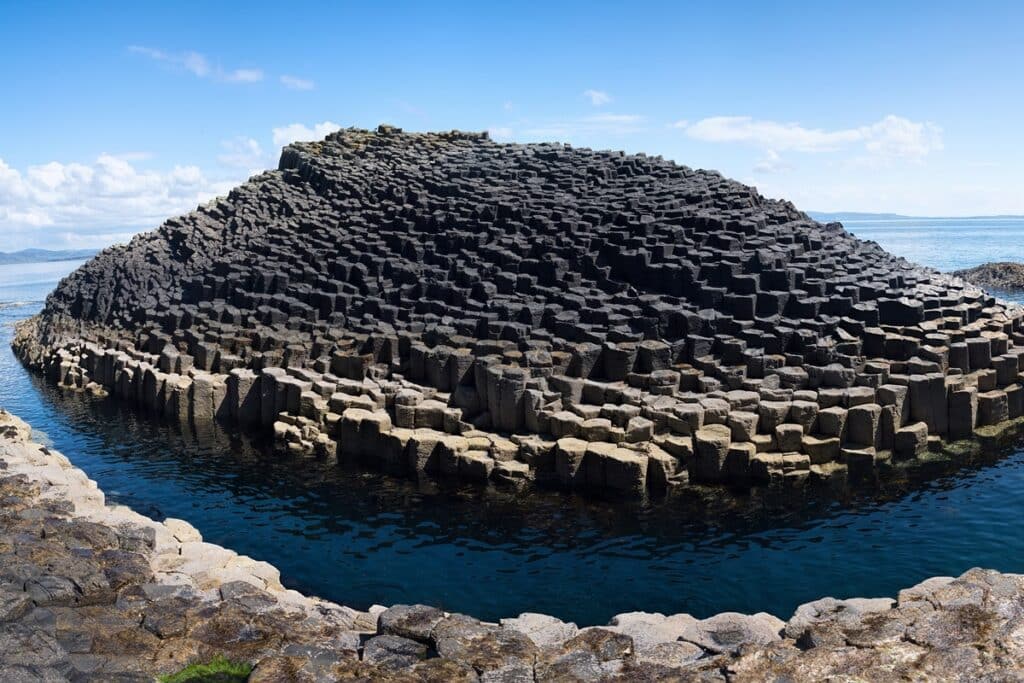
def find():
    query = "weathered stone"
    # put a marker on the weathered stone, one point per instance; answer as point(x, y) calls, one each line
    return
point(393, 652)
point(928, 402)
point(821, 450)
point(743, 425)
point(467, 641)
point(710, 449)
point(863, 424)
point(728, 632)
point(651, 629)
point(963, 412)
point(415, 622)
point(911, 441)
point(569, 454)
point(546, 632)
point(993, 407)
point(603, 643)
point(788, 437)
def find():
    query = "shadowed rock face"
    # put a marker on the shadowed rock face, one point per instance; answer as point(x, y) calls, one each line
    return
point(1004, 275)
point(443, 303)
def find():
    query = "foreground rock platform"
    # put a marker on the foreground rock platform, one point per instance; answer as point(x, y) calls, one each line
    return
point(91, 592)
point(617, 323)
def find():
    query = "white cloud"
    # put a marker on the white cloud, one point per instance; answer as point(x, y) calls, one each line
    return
point(297, 132)
point(410, 108)
point(501, 132)
point(614, 118)
point(296, 83)
point(74, 204)
point(595, 124)
point(770, 163)
point(198, 65)
point(597, 97)
point(895, 136)
point(242, 152)
point(784, 136)
point(681, 123)
point(71, 204)
point(892, 136)
point(245, 76)
point(91, 240)
point(192, 61)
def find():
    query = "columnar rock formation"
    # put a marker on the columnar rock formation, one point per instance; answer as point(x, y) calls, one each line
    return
point(90, 592)
point(443, 303)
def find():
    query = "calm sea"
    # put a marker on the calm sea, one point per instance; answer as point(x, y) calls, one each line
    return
point(946, 243)
point(361, 538)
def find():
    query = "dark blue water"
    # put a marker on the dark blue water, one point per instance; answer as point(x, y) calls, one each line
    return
point(361, 538)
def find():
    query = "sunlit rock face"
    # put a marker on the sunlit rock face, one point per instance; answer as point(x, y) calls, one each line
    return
point(96, 592)
point(498, 312)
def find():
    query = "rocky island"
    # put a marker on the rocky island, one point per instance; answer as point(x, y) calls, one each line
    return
point(439, 303)
point(1003, 275)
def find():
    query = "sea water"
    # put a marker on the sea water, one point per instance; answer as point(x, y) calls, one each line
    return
point(946, 243)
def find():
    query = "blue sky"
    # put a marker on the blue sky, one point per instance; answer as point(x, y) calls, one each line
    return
point(118, 116)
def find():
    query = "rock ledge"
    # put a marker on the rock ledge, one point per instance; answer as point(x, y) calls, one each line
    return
point(90, 592)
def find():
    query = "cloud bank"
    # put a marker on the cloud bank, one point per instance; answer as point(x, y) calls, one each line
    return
point(73, 204)
point(77, 205)
point(95, 202)
point(297, 132)
point(892, 136)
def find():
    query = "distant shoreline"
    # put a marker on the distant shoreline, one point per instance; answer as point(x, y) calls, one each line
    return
point(851, 216)
point(45, 255)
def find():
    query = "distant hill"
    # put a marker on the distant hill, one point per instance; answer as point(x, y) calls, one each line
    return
point(45, 255)
point(829, 217)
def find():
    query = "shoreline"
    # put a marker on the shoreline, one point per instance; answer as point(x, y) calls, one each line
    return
point(168, 572)
point(361, 426)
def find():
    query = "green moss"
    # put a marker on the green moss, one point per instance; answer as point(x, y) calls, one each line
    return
point(217, 670)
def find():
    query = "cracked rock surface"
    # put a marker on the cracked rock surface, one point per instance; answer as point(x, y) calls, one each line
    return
point(90, 592)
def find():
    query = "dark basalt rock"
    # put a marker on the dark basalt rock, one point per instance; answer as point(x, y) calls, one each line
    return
point(442, 303)
point(1003, 275)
